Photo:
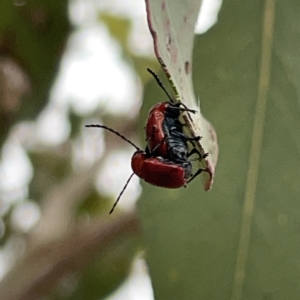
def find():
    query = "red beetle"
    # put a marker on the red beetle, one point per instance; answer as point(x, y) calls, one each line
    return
point(160, 171)
point(155, 126)
point(155, 170)
point(164, 131)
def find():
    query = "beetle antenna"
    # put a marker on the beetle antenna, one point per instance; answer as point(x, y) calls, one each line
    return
point(115, 132)
point(124, 188)
point(160, 84)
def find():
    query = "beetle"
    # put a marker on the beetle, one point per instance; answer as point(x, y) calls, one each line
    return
point(164, 131)
point(155, 170)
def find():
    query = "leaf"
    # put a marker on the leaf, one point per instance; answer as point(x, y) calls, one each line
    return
point(240, 240)
point(172, 24)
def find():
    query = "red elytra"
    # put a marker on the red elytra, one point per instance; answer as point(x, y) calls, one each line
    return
point(160, 172)
point(155, 134)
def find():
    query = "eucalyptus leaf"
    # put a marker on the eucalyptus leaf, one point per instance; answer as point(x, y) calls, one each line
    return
point(240, 240)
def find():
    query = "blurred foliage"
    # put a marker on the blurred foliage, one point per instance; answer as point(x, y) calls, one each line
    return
point(50, 166)
point(76, 124)
point(119, 29)
point(94, 204)
point(101, 276)
point(8, 230)
point(33, 36)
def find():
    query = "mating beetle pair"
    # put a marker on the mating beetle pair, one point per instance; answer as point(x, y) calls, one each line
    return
point(165, 161)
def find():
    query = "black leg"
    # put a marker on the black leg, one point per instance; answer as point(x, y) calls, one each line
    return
point(196, 174)
point(184, 108)
point(196, 151)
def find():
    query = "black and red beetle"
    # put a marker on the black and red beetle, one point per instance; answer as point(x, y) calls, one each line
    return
point(155, 170)
point(164, 131)
point(165, 162)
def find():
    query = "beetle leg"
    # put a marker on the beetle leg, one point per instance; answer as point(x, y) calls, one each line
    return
point(187, 138)
point(184, 109)
point(196, 174)
point(194, 150)
point(149, 152)
point(156, 147)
